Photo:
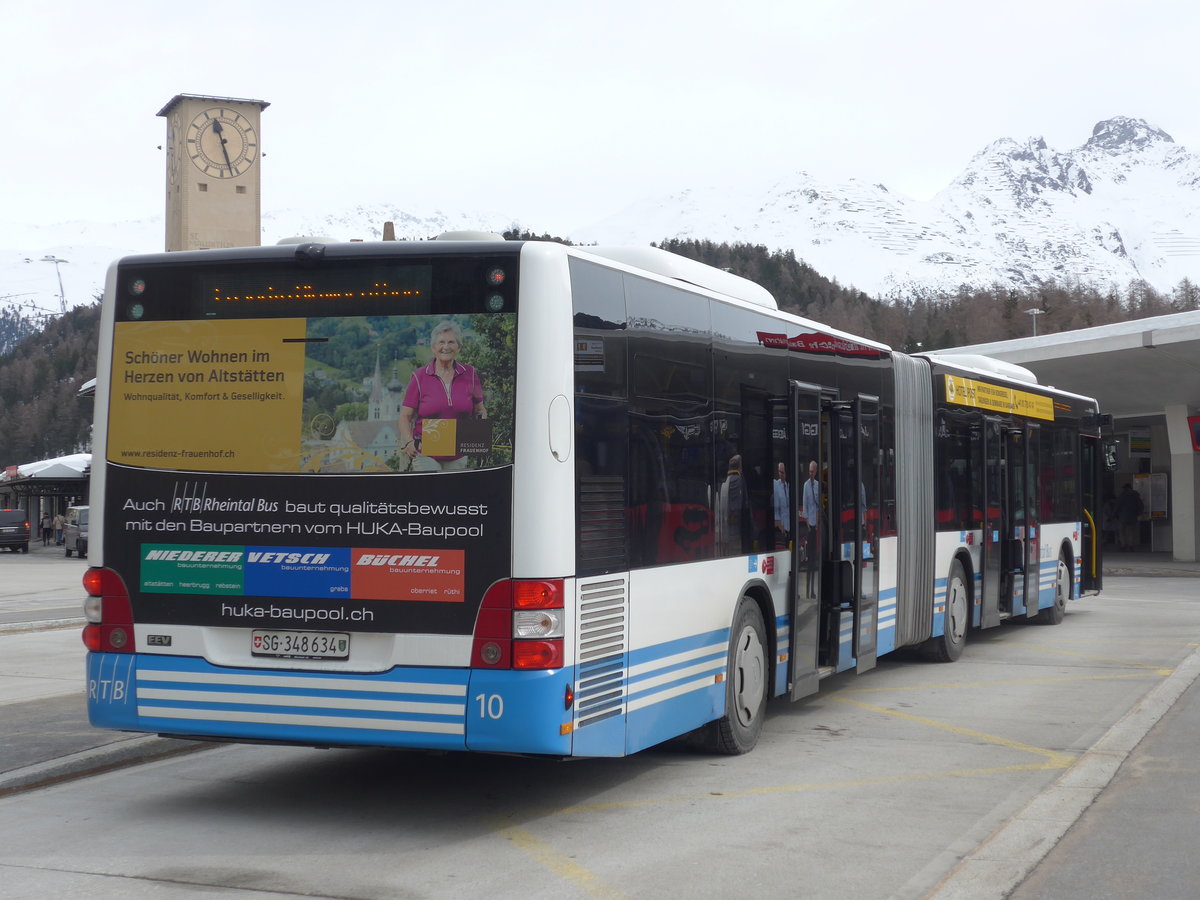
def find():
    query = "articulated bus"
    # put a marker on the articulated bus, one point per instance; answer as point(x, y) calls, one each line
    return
point(520, 497)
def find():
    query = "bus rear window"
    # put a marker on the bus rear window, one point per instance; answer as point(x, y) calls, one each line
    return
point(366, 366)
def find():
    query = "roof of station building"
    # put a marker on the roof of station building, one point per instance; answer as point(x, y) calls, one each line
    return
point(1133, 368)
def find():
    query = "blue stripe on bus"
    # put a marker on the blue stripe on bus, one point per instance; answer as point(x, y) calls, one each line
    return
point(674, 690)
point(145, 683)
point(1044, 595)
point(885, 634)
point(148, 707)
point(709, 670)
point(782, 645)
point(677, 646)
point(673, 717)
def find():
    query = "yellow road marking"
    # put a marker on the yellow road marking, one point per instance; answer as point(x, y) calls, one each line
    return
point(1009, 681)
point(1054, 758)
point(567, 869)
point(1081, 641)
point(1105, 659)
point(1060, 761)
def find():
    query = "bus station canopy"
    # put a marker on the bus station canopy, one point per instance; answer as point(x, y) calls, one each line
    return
point(1138, 368)
point(65, 476)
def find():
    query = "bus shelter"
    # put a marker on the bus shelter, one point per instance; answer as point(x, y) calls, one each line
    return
point(47, 487)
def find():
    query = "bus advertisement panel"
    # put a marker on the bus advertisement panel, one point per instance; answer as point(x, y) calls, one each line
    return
point(232, 386)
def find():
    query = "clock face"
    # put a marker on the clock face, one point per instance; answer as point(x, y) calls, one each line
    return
point(221, 142)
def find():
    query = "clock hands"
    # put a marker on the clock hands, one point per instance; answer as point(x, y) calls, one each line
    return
point(229, 130)
point(224, 150)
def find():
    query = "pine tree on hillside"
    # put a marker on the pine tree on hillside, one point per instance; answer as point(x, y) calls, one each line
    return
point(39, 384)
point(14, 327)
point(1186, 296)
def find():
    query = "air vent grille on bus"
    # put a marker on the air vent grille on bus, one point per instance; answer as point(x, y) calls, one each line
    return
point(602, 652)
point(601, 523)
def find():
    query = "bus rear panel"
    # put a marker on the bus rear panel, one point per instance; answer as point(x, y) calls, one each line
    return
point(270, 564)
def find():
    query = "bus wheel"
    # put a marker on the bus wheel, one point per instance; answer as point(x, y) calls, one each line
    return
point(1053, 615)
point(949, 645)
point(746, 678)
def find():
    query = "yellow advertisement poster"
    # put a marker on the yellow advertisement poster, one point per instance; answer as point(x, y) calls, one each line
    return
point(216, 396)
point(998, 398)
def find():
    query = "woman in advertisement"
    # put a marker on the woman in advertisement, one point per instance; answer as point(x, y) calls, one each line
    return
point(444, 390)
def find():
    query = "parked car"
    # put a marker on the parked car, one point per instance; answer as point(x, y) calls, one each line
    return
point(14, 530)
point(75, 531)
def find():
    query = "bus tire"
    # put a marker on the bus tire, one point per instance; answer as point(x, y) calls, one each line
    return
point(948, 646)
point(1053, 615)
point(746, 679)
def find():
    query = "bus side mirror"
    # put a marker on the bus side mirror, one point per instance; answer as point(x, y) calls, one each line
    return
point(1110, 457)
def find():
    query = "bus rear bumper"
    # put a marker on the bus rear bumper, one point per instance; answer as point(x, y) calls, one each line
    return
point(419, 708)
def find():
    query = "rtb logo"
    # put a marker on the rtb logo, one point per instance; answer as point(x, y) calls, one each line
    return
point(108, 690)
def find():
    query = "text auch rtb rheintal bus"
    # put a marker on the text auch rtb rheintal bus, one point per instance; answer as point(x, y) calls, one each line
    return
point(523, 497)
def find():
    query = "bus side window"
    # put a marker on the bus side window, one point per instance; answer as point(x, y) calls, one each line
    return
point(670, 412)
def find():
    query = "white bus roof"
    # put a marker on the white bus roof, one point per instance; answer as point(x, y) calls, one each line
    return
point(672, 265)
point(983, 364)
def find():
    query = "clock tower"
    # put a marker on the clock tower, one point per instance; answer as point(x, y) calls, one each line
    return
point(213, 182)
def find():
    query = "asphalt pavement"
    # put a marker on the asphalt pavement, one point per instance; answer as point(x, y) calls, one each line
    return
point(1126, 844)
point(45, 736)
point(1096, 832)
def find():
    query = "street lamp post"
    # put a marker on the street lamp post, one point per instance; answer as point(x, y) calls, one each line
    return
point(1033, 314)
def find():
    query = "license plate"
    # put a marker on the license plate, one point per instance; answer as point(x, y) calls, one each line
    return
point(300, 644)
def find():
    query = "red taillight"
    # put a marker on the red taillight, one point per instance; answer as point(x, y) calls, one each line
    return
point(91, 637)
point(93, 582)
point(529, 654)
point(537, 595)
point(511, 633)
point(113, 633)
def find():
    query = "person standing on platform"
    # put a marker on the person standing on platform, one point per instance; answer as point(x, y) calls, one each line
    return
point(1129, 511)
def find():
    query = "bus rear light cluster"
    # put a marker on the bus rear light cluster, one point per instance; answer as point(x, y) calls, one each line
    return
point(109, 615)
point(520, 626)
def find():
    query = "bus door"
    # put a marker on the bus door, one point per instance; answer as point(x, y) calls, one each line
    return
point(1021, 553)
point(1033, 519)
point(1091, 456)
point(806, 459)
point(994, 503)
point(851, 586)
point(866, 619)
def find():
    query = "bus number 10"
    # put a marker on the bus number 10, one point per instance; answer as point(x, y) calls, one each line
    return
point(491, 706)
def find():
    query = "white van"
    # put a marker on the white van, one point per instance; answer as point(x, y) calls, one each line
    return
point(75, 531)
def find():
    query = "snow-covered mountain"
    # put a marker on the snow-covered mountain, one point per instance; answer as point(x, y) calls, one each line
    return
point(1122, 206)
point(1125, 205)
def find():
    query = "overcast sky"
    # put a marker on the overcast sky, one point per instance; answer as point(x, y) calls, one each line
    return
point(560, 113)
